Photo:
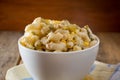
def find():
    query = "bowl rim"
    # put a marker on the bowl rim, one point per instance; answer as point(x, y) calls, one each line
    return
point(71, 52)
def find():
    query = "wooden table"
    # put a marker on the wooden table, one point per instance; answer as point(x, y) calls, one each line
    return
point(109, 51)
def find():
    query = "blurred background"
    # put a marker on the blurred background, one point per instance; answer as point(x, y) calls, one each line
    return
point(100, 15)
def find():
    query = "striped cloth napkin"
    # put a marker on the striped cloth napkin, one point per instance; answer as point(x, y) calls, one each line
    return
point(99, 71)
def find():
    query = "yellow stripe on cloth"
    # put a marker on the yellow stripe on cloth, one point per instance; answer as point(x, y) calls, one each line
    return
point(17, 73)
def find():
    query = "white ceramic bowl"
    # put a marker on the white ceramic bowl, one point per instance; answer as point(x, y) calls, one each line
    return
point(58, 65)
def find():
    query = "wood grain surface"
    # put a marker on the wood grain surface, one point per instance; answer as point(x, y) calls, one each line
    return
point(9, 55)
point(109, 51)
point(101, 15)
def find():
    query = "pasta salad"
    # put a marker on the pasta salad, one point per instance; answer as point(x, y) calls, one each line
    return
point(57, 36)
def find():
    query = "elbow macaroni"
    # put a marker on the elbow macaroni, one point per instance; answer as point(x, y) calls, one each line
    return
point(57, 36)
